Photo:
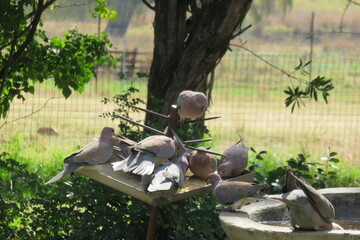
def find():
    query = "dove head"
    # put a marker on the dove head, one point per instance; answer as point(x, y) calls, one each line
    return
point(108, 134)
point(225, 170)
point(201, 101)
point(213, 179)
point(199, 155)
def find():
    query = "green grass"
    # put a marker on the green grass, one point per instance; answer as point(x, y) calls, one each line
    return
point(50, 161)
point(247, 94)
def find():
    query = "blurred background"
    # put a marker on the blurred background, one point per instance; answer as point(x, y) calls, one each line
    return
point(247, 94)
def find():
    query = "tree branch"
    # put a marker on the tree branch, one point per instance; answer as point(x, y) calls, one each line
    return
point(75, 4)
point(29, 38)
point(355, 3)
point(343, 15)
point(148, 5)
point(241, 31)
point(289, 75)
point(7, 65)
point(30, 114)
point(27, 41)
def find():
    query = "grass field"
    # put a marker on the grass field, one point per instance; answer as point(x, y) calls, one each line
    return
point(247, 95)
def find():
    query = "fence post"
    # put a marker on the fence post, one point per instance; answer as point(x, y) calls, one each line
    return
point(311, 43)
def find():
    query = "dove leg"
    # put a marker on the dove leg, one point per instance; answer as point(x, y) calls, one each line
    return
point(152, 222)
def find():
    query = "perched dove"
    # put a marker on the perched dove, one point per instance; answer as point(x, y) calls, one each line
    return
point(309, 209)
point(201, 164)
point(168, 178)
point(234, 162)
point(235, 193)
point(147, 154)
point(96, 152)
point(191, 104)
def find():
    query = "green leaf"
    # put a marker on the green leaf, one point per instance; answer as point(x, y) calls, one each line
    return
point(332, 154)
point(299, 66)
point(309, 62)
point(31, 89)
point(66, 92)
point(334, 160)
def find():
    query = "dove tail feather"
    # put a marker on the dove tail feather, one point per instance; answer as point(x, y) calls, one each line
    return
point(119, 165)
point(145, 168)
point(66, 171)
point(127, 164)
point(163, 186)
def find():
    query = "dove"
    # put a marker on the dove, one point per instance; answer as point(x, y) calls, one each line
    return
point(191, 104)
point(167, 178)
point(235, 193)
point(96, 152)
point(146, 155)
point(201, 164)
point(309, 209)
point(234, 162)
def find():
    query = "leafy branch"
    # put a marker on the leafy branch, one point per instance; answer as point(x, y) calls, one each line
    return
point(125, 103)
point(320, 85)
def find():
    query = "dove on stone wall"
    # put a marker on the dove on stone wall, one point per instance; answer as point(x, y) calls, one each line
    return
point(309, 209)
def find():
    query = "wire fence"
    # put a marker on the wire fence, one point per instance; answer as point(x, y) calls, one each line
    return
point(248, 94)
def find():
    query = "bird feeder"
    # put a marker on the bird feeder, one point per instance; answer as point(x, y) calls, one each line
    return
point(130, 184)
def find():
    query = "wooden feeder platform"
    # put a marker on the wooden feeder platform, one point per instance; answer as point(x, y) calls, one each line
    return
point(130, 183)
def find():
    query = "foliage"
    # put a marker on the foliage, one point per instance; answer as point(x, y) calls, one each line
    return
point(313, 88)
point(318, 174)
point(84, 209)
point(125, 103)
point(28, 56)
point(254, 165)
point(80, 209)
point(104, 11)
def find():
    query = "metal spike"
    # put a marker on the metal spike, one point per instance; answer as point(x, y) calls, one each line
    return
point(197, 141)
point(178, 139)
point(152, 112)
point(201, 120)
point(207, 151)
point(140, 124)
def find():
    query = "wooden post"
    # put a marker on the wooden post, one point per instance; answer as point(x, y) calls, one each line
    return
point(152, 223)
point(96, 66)
point(311, 43)
point(172, 122)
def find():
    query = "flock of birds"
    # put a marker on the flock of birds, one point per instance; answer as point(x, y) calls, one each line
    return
point(162, 162)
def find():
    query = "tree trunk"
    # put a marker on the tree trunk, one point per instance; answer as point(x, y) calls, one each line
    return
point(187, 50)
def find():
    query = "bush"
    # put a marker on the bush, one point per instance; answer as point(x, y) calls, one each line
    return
point(84, 209)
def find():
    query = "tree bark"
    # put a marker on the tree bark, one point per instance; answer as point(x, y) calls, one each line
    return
point(188, 46)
